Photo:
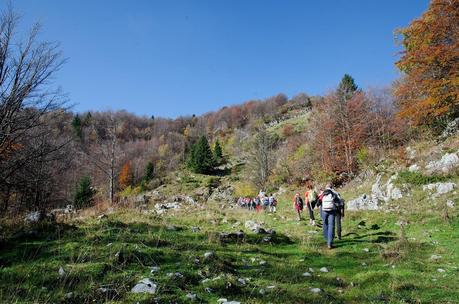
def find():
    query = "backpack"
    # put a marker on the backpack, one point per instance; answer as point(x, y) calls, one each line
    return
point(311, 195)
point(329, 200)
point(299, 202)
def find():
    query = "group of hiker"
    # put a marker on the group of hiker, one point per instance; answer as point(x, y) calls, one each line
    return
point(259, 203)
point(331, 209)
point(328, 201)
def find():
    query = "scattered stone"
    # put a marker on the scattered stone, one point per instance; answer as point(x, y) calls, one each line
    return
point(154, 269)
point(145, 286)
point(441, 270)
point(362, 203)
point(61, 272)
point(171, 228)
point(69, 295)
point(450, 204)
point(242, 281)
point(231, 236)
point(109, 244)
point(413, 168)
point(262, 262)
point(262, 291)
point(35, 217)
point(191, 296)
point(323, 269)
point(435, 257)
point(205, 281)
point(195, 229)
point(208, 255)
point(253, 226)
point(102, 216)
point(315, 290)
point(236, 225)
point(222, 300)
point(364, 264)
point(266, 239)
point(366, 249)
point(307, 274)
point(311, 269)
point(270, 287)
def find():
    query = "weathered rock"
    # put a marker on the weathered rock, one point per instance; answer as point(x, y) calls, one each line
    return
point(307, 274)
point(223, 194)
point(242, 281)
point(61, 272)
point(69, 295)
point(195, 229)
point(231, 236)
point(191, 296)
point(145, 286)
point(315, 290)
point(441, 270)
point(154, 269)
point(451, 128)
point(208, 255)
point(450, 204)
point(440, 188)
point(35, 217)
point(252, 225)
point(323, 269)
point(414, 168)
point(362, 203)
point(448, 162)
point(435, 257)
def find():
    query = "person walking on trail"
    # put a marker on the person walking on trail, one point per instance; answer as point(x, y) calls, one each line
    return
point(329, 199)
point(310, 198)
point(298, 205)
point(272, 203)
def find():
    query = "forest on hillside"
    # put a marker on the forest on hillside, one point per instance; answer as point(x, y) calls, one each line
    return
point(51, 156)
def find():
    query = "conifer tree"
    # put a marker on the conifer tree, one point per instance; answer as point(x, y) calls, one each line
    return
point(346, 88)
point(77, 126)
point(218, 153)
point(149, 172)
point(84, 196)
point(201, 159)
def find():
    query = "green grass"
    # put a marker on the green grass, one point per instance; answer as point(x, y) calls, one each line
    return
point(394, 270)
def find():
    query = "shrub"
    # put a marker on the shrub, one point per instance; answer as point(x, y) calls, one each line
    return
point(84, 195)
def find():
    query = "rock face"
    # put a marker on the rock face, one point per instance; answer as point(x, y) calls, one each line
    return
point(439, 188)
point(447, 163)
point(145, 286)
point(222, 195)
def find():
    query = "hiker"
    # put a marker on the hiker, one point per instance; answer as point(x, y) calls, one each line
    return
point(329, 200)
point(272, 203)
point(310, 198)
point(258, 204)
point(298, 205)
point(265, 202)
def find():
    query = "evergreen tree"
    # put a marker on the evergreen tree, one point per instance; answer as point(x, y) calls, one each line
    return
point(77, 126)
point(218, 153)
point(84, 196)
point(346, 88)
point(149, 172)
point(201, 159)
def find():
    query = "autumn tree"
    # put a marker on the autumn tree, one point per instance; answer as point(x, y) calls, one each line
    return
point(262, 158)
point(429, 92)
point(125, 177)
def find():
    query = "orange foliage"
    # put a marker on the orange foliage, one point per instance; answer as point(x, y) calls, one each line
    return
point(125, 177)
point(430, 61)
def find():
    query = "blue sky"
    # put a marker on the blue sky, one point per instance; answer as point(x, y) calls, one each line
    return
point(170, 58)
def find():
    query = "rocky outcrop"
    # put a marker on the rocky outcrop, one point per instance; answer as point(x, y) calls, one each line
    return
point(223, 194)
point(362, 203)
point(145, 286)
point(446, 164)
point(439, 188)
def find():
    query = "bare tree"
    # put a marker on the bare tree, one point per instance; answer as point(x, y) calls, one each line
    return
point(26, 101)
point(262, 158)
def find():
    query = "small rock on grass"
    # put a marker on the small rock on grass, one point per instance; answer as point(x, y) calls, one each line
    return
point(441, 270)
point(191, 296)
point(144, 286)
point(61, 272)
point(307, 274)
point(366, 249)
point(208, 255)
point(154, 269)
point(323, 269)
point(315, 290)
point(435, 257)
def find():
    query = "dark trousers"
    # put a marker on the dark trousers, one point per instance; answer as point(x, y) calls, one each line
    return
point(338, 224)
point(328, 225)
point(311, 212)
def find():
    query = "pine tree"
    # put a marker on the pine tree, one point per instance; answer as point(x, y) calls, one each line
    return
point(218, 153)
point(149, 172)
point(201, 159)
point(346, 88)
point(125, 178)
point(84, 196)
point(77, 126)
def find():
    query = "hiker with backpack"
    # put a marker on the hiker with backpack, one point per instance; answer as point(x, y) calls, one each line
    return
point(298, 205)
point(272, 203)
point(329, 200)
point(310, 198)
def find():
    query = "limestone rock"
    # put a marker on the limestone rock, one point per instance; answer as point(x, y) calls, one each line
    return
point(439, 188)
point(145, 286)
point(448, 162)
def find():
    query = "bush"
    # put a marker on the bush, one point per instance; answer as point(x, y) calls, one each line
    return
point(419, 179)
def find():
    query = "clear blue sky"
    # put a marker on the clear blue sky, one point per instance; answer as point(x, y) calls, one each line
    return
point(170, 58)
